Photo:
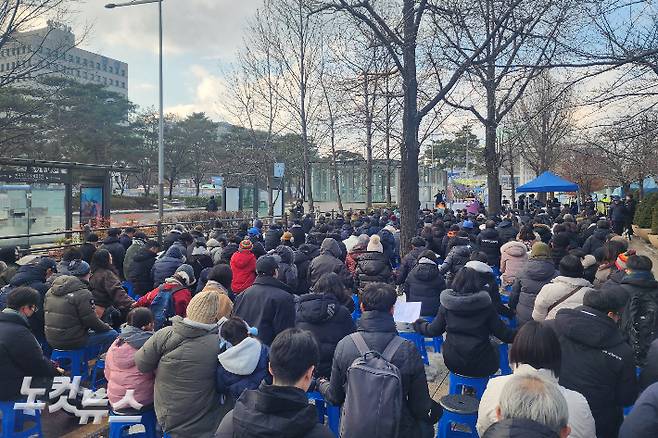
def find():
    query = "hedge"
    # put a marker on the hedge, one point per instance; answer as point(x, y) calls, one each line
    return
point(644, 213)
point(654, 219)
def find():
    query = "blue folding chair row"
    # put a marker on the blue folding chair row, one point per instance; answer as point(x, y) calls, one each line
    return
point(13, 422)
point(323, 408)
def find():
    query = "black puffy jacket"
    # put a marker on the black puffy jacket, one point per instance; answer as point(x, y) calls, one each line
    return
point(33, 276)
point(425, 284)
point(303, 261)
point(329, 321)
point(598, 363)
point(489, 242)
point(468, 320)
point(116, 249)
point(596, 240)
point(139, 273)
point(506, 231)
point(408, 262)
point(639, 321)
point(298, 235)
point(20, 355)
point(536, 274)
point(273, 238)
point(378, 329)
point(267, 305)
point(372, 267)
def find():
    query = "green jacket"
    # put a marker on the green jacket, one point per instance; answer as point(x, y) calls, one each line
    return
point(131, 252)
point(69, 313)
point(185, 356)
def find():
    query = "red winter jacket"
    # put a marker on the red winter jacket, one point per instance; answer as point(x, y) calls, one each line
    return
point(243, 266)
point(181, 298)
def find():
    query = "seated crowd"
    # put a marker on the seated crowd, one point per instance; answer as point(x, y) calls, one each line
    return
point(278, 315)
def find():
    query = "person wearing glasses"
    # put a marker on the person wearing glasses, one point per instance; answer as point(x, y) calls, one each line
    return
point(20, 353)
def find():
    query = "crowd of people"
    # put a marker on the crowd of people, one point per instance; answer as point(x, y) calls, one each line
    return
point(271, 314)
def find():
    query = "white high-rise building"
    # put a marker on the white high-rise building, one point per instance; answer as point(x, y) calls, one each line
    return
point(51, 51)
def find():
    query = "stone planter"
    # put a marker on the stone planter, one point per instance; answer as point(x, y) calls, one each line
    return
point(643, 233)
point(653, 239)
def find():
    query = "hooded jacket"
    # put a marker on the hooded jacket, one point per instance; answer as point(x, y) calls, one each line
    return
point(34, 276)
point(598, 363)
point(116, 249)
point(273, 412)
point(121, 370)
point(69, 314)
point(457, 257)
point(519, 428)
point(181, 297)
point(227, 253)
point(303, 261)
point(267, 305)
point(372, 267)
point(556, 290)
point(20, 355)
point(639, 321)
point(243, 267)
point(140, 271)
point(506, 231)
point(378, 329)
point(596, 240)
point(537, 273)
point(329, 321)
point(407, 264)
point(468, 320)
point(107, 290)
point(329, 261)
point(298, 235)
point(514, 256)
point(273, 237)
point(242, 367)
point(185, 356)
point(166, 266)
point(425, 284)
point(489, 242)
point(131, 252)
point(287, 268)
point(580, 416)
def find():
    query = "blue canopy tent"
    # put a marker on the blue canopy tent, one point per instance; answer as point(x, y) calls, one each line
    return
point(548, 182)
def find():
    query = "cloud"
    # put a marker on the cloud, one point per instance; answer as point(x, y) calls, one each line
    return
point(206, 89)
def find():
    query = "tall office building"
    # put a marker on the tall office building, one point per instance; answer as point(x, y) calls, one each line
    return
point(51, 51)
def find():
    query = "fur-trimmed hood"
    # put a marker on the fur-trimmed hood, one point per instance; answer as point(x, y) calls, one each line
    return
point(456, 301)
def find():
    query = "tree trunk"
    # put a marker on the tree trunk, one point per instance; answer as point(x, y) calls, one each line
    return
point(409, 203)
point(490, 154)
point(368, 126)
point(171, 188)
point(387, 121)
point(197, 186)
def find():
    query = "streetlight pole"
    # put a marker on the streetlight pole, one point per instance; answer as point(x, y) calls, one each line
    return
point(160, 106)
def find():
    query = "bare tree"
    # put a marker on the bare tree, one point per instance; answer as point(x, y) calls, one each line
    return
point(400, 27)
point(297, 47)
point(543, 121)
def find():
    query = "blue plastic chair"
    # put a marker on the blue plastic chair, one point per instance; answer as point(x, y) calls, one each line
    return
point(73, 361)
point(436, 342)
point(13, 419)
point(460, 384)
point(419, 340)
point(95, 381)
point(323, 408)
point(458, 410)
point(130, 290)
point(503, 350)
point(357, 310)
point(120, 425)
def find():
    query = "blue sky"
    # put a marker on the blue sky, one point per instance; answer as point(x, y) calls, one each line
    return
point(200, 38)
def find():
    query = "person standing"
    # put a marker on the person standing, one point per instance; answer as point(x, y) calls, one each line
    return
point(596, 360)
point(137, 242)
point(268, 304)
point(630, 214)
point(212, 204)
point(243, 266)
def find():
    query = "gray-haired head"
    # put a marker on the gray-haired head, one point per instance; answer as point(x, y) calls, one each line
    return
point(532, 397)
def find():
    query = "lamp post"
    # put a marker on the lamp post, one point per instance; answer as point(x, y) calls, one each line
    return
point(160, 104)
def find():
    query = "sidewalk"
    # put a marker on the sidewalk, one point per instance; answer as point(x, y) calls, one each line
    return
point(643, 248)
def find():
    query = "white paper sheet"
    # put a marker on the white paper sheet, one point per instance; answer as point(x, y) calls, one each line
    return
point(406, 312)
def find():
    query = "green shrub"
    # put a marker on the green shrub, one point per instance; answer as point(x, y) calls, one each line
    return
point(201, 201)
point(644, 211)
point(654, 219)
